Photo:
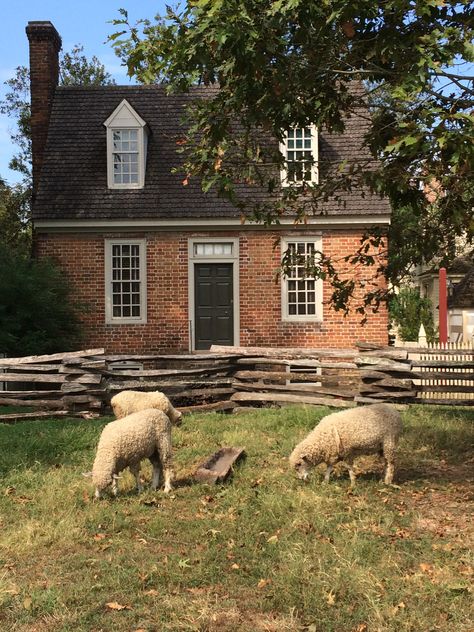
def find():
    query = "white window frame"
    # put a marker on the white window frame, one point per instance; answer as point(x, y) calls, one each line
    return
point(213, 258)
point(318, 283)
point(110, 319)
point(315, 155)
point(124, 118)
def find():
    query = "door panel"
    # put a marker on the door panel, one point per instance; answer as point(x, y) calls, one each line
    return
point(213, 299)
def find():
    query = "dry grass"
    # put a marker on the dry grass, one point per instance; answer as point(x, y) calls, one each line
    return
point(264, 552)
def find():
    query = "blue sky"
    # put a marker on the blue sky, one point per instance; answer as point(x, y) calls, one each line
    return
point(78, 22)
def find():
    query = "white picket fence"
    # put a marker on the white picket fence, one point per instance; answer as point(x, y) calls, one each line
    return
point(444, 372)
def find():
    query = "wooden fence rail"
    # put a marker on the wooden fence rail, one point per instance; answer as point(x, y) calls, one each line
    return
point(230, 377)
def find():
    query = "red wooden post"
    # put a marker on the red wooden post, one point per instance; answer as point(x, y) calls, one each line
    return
point(443, 306)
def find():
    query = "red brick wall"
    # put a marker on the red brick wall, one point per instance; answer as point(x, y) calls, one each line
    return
point(82, 258)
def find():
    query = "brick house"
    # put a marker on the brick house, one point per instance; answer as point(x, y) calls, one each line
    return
point(162, 266)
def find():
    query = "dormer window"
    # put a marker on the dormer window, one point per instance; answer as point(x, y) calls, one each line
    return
point(126, 148)
point(300, 150)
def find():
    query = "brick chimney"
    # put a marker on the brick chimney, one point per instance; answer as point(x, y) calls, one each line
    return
point(45, 45)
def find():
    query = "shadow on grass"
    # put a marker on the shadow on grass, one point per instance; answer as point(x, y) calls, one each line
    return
point(49, 443)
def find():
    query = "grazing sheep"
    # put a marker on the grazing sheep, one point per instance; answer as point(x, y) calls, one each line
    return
point(127, 402)
point(345, 435)
point(125, 442)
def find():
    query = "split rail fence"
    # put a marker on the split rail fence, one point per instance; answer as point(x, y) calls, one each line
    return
point(226, 378)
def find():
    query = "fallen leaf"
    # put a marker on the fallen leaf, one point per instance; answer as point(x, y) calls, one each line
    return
point(22, 500)
point(150, 502)
point(362, 627)
point(99, 536)
point(331, 598)
point(27, 603)
point(183, 563)
point(264, 582)
point(348, 29)
point(10, 490)
point(272, 539)
point(152, 592)
point(214, 532)
point(114, 605)
point(235, 567)
point(426, 568)
point(197, 591)
point(14, 590)
point(399, 606)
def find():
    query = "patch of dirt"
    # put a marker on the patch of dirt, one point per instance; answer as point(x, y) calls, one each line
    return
point(446, 504)
point(437, 471)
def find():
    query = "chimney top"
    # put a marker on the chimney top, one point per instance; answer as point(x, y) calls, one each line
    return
point(43, 30)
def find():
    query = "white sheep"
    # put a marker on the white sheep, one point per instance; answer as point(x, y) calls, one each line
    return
point(127, 402)
point(125, 442)
point(344, 435)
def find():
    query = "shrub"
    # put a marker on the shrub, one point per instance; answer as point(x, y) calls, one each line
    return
point(408, 310)
point(37, 314)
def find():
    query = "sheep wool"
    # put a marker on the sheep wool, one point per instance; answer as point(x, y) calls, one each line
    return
point(126, 442)
point(344, 435)
point(127, 402)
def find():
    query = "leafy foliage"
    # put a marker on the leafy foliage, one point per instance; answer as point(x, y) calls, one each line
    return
point(409, 310)
point(15, 201)
point(292, 63)
point(14, 207)
point(74, 69)
point(36, 311)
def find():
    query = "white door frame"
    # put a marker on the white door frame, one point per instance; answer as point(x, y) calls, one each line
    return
point(194, 258)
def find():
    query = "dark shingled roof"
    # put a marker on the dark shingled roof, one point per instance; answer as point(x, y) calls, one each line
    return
point(73, 182)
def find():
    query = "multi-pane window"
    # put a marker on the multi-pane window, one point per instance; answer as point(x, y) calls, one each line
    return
point(213, 249)
point(301, 155)
point(302, 293)
point(127, 139)
point(125, 156)
point(126, 283)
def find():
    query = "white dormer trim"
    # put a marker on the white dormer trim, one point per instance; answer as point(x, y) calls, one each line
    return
point(125, 119)
point(286, 181)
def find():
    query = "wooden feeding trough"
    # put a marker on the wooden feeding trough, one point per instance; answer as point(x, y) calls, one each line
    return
point(218, 467)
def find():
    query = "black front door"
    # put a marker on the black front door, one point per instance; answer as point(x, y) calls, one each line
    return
point(214, 314)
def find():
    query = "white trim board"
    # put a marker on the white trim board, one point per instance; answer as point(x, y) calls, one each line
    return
point(94, 225)
point(234, 259)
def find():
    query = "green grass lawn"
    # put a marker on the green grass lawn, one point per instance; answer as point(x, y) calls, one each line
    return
point(264, 552)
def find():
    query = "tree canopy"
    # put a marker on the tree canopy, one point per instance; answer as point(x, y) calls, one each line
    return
point(37, 310)
point(287, 63)
point(74, 69)
point(15, 201)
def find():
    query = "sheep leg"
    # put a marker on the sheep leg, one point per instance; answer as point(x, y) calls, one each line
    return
point(135, 470)
point(389, 470)
point(166, 457)
point(389, 458)
point(352, 476)
point(97, 494)
point(114, 485)
point(156, 462)
point(168, 479)
point(327, 473)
